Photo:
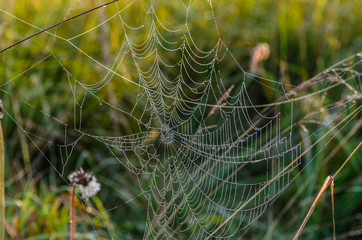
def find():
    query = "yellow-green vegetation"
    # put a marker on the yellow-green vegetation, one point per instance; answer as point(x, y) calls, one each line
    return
point(42, 212)
point(304, 39)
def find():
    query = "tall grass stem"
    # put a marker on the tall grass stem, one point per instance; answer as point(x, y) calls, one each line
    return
point(2, 178)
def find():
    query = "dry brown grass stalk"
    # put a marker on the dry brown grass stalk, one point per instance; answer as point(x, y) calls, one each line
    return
point(328, 182)
point(332, 198)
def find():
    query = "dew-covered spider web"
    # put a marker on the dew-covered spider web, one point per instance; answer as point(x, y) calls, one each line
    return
point(208, 156)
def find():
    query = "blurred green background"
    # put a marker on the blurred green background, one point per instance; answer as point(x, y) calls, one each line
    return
point(303, 38)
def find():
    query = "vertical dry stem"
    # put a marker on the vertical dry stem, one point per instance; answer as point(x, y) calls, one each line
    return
point(72, 214)
point(332, 198)
point(2, 178)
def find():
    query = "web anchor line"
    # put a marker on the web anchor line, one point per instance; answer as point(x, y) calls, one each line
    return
point(55, 25)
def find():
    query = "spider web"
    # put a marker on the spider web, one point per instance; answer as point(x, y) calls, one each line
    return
point(196, 142)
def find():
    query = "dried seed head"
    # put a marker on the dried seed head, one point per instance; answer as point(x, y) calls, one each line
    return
point(260, 53)
point(86, 182)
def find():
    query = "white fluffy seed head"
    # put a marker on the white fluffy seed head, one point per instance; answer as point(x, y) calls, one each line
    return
point(91, 189)
point(86, 182)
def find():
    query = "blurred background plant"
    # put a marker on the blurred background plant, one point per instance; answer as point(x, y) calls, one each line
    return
point(287, 41)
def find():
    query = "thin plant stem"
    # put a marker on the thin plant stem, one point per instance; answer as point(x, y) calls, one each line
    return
point(332, 198)
point(329, 180)
point(2, 178)
point(311, 209)
point(347, 160)
point(72, 212)
point(55, 25)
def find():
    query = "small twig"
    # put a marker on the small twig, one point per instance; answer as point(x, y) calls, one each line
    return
point(329, 180)
point(72, 212)
point(55, 25)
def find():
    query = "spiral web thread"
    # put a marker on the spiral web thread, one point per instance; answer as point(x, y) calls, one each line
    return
point(196, 138)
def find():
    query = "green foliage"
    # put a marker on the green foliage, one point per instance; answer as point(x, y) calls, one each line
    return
point(305, 37)
point(38, 211)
